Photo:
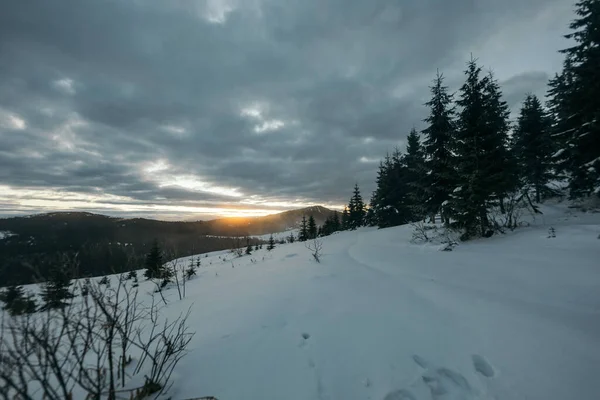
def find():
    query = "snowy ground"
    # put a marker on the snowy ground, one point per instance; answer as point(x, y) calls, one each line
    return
point(512, 317)
point(280, 235)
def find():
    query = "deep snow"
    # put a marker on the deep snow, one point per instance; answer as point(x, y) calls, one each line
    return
point(516, 316)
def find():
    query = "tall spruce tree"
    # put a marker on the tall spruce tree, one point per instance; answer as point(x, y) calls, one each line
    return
point(336, 224)
point(415, 175)
point(356, 209)
point(381, 200)
point(439, 136)
point(562, 126)
point(393, 201)
point(575, 101)
point(469, 201)
point(345, 223)
point(533, 145)
point(303, 234)
point(154, 262)
point(327, 228)
point(500, 164)
point(312, 227)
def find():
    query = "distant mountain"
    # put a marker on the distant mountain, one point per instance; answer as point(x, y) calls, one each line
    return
point(268, 224)
point(31, 245)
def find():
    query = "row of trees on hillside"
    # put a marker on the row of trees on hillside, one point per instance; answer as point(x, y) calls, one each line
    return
point(471, 162)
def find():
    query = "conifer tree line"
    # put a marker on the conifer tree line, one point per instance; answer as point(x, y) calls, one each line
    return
point(471, 158)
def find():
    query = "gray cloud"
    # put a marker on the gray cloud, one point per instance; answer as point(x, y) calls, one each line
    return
point(284, 102)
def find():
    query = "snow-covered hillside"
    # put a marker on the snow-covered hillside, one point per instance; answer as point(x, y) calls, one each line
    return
point(516, 316)
point(511, 317)
point(280, 235)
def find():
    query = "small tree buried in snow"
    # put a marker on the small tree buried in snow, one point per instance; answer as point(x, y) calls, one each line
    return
point(271, 243)
point(190, 272)
point(154, 264)
point(315, 246)
point(90, 348)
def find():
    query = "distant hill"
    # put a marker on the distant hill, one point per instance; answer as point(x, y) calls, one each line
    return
point(268, 224)
point(101, 244)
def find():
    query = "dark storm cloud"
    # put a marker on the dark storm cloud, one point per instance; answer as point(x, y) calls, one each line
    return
point(103, 90)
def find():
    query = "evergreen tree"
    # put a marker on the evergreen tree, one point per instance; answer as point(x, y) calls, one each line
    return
point(575, 102)
point(438, 145)
point(271, 244)
point(256, 248)
point(381, 200)
point(55, 291)
point(415, 175)
point(249, 249)
point(154, 263)
point(303, 235)
point(562, 126)
point(533, 145)
point(501, 167)
point(469, 201)
point(132, 274)
point(345, 223)
point(291, 238)
point(370, 219)
point(336, 224)
point(356, 210)
point(393, 201)
point(16, 302)
point(312, 227)
point(190, 272)
point(326, 228)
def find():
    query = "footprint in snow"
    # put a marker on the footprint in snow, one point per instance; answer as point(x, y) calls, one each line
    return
point(445, 383)
point(482, 366)
point(305, 337)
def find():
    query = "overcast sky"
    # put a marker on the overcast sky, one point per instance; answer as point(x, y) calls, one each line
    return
point(197, 108)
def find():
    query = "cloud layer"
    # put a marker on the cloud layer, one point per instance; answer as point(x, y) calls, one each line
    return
point(205, 107)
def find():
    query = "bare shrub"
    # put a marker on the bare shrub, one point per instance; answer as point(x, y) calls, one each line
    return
point(516, 206)
point(100, 346)
point(421, 232)
point(315, 246)
point(431, 233)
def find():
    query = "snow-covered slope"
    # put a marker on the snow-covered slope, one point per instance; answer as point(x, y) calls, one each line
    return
point(280, 235)
point(512, 317)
